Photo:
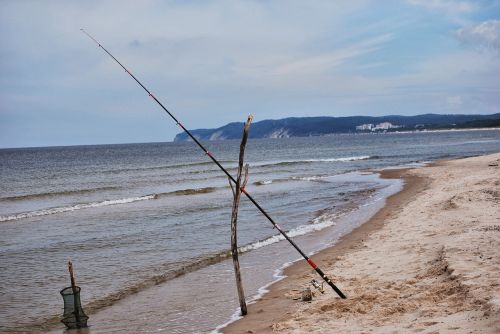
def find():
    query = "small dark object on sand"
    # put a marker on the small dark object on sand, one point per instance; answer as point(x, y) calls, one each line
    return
point(307, 295)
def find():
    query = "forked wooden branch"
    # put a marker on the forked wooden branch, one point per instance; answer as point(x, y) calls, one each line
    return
point(237, 189)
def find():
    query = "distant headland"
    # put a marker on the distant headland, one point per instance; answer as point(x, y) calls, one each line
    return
point(323, 126)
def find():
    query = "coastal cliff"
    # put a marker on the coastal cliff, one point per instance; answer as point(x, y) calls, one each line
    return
point(321, 126)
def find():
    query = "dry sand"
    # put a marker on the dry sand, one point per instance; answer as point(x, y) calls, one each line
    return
point(428, 262)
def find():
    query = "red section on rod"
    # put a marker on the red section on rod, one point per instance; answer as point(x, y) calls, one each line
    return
point(312, 264)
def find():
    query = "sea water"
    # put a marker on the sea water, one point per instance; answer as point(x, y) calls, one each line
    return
point(147, 226)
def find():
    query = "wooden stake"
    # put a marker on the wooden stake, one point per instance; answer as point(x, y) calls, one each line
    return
point(75, 292)
point(238, 188)
point(72, 276)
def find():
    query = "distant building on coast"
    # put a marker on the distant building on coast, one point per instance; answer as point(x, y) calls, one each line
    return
point(381, 126)
point(364, 127)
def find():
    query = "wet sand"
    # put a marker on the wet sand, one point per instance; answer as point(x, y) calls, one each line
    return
point(428, 262)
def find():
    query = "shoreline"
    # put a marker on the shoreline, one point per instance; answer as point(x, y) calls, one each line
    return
point(271, 307)
point(280, 311)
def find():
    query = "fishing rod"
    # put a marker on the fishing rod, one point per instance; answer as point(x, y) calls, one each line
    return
point(211, 156)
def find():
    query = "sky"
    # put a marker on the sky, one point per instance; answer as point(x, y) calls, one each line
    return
point(214, 62)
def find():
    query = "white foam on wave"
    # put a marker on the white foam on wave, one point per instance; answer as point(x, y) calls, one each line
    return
point(56, 210)
point(342, 159)
point(318, 224)
point(264, 182)
point(309, 178)
point(361, 157)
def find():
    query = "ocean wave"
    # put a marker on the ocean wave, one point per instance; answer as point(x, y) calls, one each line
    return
point(309, 178)
point(345, 159)
point(192, 164)
point(187, 192)
point(231, 164)
point(263, 183)
point(56, 193)
point(302, 161)
point(318, 224)
point(62, 209)
point(51, 211)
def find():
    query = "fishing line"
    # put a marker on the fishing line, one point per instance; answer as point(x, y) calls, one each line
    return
point(211, 156)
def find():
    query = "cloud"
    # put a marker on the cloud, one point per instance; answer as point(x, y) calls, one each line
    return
point(325, 62)
point(216, 61)
point(484, 36)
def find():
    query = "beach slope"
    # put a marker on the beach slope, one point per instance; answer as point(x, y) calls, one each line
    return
point(428, 262)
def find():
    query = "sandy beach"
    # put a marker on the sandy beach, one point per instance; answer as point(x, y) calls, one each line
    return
point(428, 262)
